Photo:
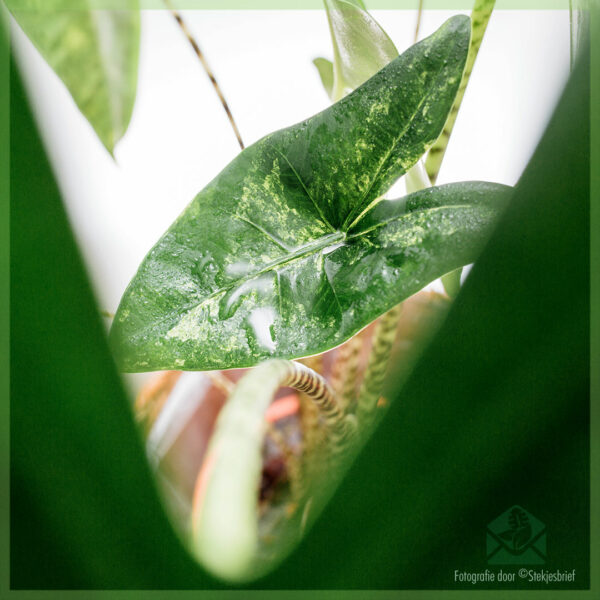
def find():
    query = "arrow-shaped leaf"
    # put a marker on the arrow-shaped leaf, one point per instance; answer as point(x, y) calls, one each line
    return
point(290, 250)
point(94, 52)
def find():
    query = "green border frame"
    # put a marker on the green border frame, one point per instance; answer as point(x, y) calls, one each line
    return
point(380, 595)
point(4, 304)
point(595, 295)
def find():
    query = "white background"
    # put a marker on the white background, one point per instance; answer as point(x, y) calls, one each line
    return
point(179, 137)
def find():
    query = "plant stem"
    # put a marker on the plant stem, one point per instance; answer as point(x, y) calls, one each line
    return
point(313, 362)
point(383, 341)
point(307, 381)
point(224, 515)
point(345, 370)
point(479, 21)
point(194, 44)
point(417, 179)
point(419, 17)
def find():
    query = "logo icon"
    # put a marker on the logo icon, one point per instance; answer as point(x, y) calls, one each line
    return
point(516, 537)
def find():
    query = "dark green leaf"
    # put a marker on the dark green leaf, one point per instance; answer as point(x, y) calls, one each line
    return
point(290, 250)
point(94, 52)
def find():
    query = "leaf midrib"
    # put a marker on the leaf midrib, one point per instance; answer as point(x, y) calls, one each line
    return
point(401, 134)
point(318, 245)
point(352, 236)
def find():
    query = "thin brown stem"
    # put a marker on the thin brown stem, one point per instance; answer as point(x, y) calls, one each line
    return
point(310, 383)
point(194, 44)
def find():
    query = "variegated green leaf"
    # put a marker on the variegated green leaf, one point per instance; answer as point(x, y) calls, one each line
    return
point(360, 46)
point(290, 250)
point(94, 52)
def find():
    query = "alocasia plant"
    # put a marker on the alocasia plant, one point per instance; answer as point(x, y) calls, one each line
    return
point(379, 249)
point(291, 249)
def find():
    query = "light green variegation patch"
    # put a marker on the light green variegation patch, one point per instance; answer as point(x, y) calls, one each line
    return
point(291, 250)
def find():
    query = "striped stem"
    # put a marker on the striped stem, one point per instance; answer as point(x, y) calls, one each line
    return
point(225, 507)
point(348, 364)
point(313, 362)
point(479, 22)
point(349, 389)
point(310, 383)
point(313, 436)
point(372, 386)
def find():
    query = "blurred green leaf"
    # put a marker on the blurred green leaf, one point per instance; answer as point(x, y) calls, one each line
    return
point(82, 496)
point(360, 46)
point(325, 68)
point(94, 52)
point(293, 234)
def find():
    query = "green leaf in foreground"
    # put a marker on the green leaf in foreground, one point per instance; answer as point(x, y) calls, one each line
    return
point(94, 52)
point(290, 250)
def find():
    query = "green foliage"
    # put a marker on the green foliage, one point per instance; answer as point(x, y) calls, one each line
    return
point(325, 68)
point(94, 52)
point(480, 16)
point(360, 46)
point(497, 406)
point(294, 232)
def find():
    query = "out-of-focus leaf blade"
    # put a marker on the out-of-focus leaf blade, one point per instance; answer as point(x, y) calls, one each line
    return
point(83, 500)
point(325, 69)
point(360, 46)
point(292, 237)
point(94, 52)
